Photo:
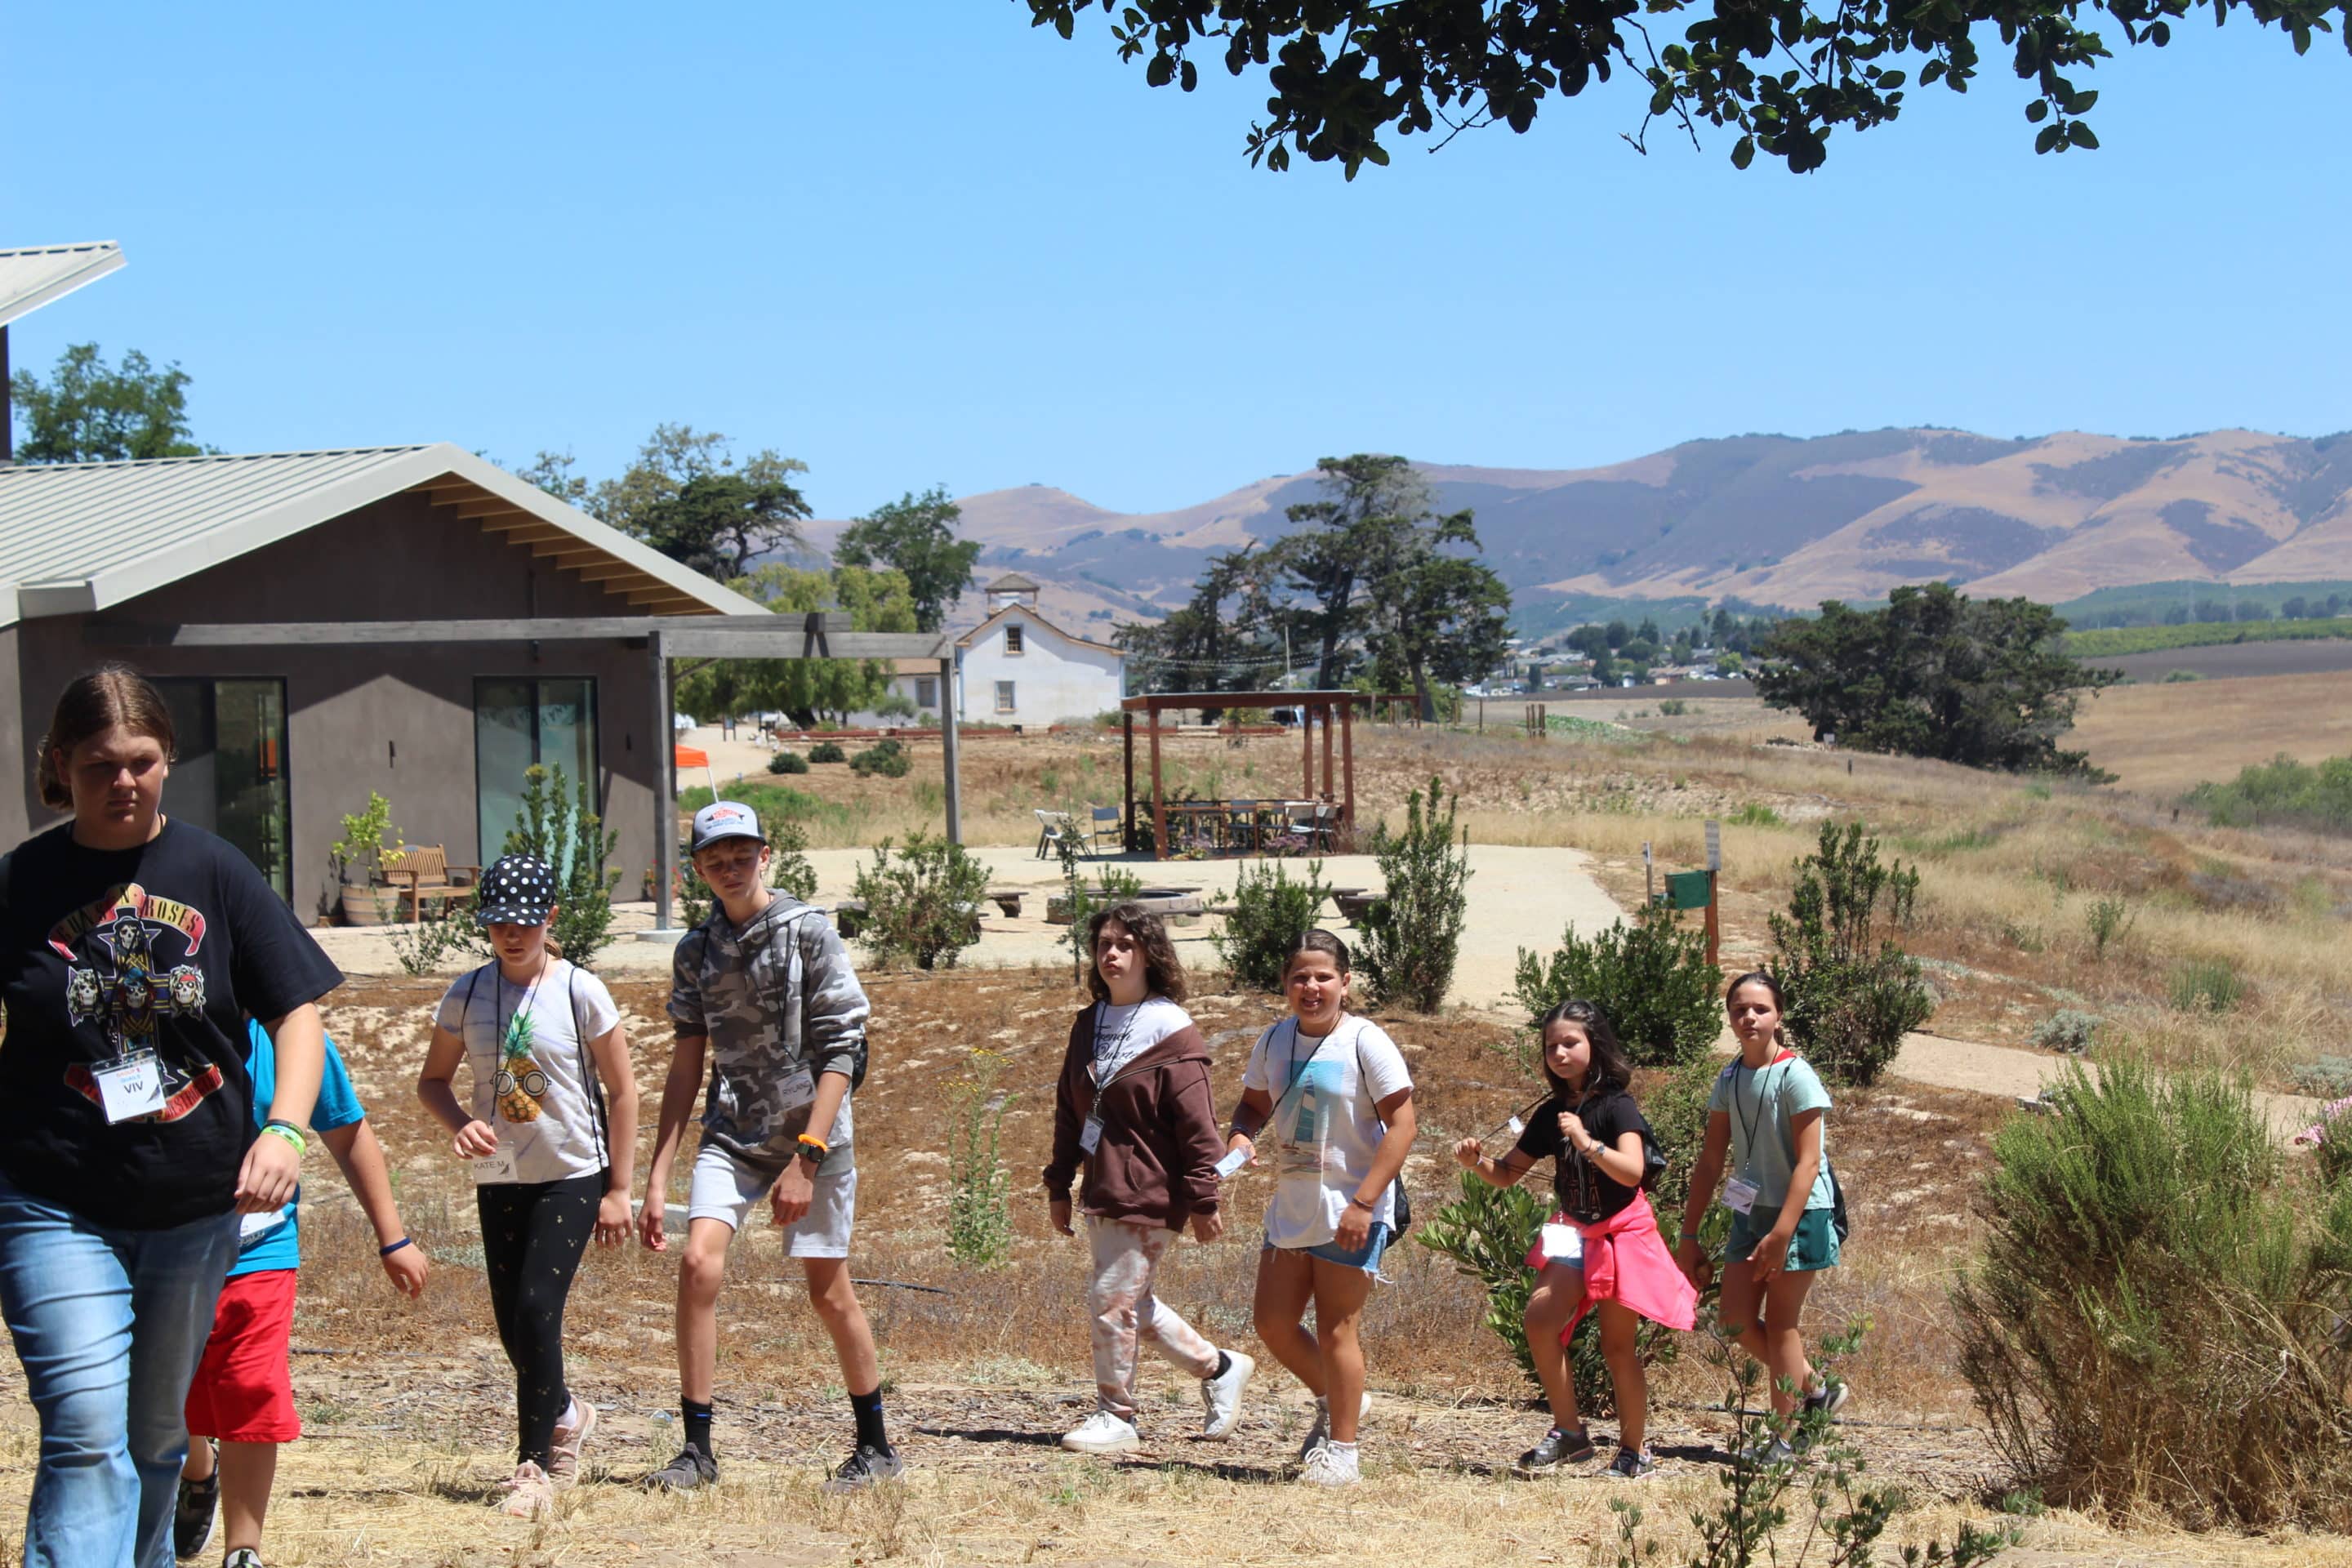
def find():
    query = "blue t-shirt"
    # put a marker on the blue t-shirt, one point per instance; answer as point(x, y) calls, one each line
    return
point(273, 1240)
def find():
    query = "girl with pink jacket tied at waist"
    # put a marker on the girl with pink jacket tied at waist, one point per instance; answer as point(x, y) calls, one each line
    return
point(1603, 1251)
point(1135, 1107)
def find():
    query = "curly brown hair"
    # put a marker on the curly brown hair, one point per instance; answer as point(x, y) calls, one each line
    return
point(1163, 971)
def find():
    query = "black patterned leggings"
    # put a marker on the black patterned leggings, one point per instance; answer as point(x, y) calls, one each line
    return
point(533, 1234)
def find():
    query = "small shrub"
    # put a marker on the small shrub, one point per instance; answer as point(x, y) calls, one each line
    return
point(1113, 884)
point(1756, 813)
point(1674, 1104)
point(1651, 978)
point(2178, 677)
point(1853, 993)
point(2330, 1141)
point(888, 758)
point(788, 763)
point(921, 903)
point(1672, 708)
point(2108, 922)
point(2206, 985)
point(2154, 1320)
point(2067, 1030)
point(790, 870)
point(564, 830)
point(1412, 936)
point(2324, 1077)
point(2284, 792)
point(827, 752)
point(1270, 912)
point(979, 1207)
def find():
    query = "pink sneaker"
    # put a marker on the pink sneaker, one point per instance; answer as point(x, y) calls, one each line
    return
point(571, 1433)
point(530, 1495)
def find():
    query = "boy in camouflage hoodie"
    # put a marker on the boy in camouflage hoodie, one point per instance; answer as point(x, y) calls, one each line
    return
point(764, 989)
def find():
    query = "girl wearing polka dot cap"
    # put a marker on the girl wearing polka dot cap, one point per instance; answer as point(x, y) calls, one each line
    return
point(550, 1131)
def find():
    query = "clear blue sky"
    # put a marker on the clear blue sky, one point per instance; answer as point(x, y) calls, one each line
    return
point(921, 243)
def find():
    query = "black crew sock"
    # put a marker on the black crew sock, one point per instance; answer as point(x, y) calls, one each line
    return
point(868, 1408)
point(697, 1423)
point(1225, 1365)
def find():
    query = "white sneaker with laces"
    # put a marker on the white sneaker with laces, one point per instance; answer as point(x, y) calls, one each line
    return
point(1221, 1397)
point(1330, 1465)
point(1320, 1432)
point(1103, 1433)
point(529, 1494)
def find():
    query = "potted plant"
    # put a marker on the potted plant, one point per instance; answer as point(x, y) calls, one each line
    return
point(370, 843)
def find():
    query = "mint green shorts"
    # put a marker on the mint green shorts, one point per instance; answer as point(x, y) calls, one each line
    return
point(1815, 1245)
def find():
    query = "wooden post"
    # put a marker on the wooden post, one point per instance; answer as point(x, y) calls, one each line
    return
point(664, 789)
point(1127, 838)
point(1326, 744)
point(948, 745)
point(1714, 927)
point(1347, 772)
point(1158, 807)
point(1307, 751)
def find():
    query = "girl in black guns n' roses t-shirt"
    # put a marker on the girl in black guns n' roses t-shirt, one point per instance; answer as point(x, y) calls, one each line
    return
point(131, 950)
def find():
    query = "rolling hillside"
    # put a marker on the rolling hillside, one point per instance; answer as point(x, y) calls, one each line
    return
point(1777, 520)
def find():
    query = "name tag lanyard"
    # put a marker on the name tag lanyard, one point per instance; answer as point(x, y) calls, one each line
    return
point(1749, 1125)
point(1090, 1135)
point(1295, 1070)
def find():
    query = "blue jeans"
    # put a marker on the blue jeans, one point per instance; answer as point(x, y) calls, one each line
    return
point(110, 1325)
point(1366, 1257)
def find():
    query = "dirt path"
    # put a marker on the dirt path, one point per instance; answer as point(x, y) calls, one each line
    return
point(2007, 1072)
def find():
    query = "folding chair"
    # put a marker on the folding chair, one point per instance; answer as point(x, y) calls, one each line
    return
point(1052, 828)
point(1106, 827)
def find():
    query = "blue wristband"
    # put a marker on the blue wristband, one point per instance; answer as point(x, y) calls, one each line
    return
point(395, 1246)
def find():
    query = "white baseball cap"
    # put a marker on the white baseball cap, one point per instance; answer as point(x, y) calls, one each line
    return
point(724, 819)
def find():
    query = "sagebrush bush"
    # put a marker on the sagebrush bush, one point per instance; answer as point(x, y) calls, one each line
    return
point(888, 759)
point(788, 763)
point(922, 904)
point(1651, 978)
point(2283, 791)
point(2067, 1030)
point(1412, 934)
point(2154, 1320)
point(1270, 911)
point(789, 869)
point(2107, 922)
point(827, 752)
point(1853, 993)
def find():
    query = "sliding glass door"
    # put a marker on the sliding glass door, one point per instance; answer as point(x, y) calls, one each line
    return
point(230, 775)
point(524, 723)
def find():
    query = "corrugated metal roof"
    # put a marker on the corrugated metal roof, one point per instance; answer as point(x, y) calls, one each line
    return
point(82, 537)
point(32, 277)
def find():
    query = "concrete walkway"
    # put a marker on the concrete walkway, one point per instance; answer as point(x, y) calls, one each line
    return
point(1519, 898)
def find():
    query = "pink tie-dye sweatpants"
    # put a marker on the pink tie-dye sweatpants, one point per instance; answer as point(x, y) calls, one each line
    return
point(1127, 1257)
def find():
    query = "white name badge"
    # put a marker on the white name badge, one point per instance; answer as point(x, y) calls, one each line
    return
point(1089, 1134)
point(1516, 1126)
point(497, 1167)
point(1563, 1244)
point(129, 1086)
point(1232, 1161)
point(1740, 1194)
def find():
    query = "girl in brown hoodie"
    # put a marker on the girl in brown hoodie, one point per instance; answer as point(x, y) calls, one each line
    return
point(1136, 1109)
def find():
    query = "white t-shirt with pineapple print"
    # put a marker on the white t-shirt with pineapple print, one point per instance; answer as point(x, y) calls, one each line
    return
point(534, 1077)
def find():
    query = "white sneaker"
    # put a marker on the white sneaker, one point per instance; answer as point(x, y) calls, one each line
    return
point(1320, 1433)
point(529, 1495)
point(1222, 1396)
point(1330, 1465)
point(1103, 1433)
point(572, 1433)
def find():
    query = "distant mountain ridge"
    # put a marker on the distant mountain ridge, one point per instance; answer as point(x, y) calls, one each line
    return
point(1774, 520)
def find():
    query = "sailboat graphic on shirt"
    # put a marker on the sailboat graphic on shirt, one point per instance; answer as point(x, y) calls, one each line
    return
point(1304, 1118)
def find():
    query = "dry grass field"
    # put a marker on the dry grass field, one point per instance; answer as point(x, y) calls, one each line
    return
point(2163, 739)
point(407, 1404)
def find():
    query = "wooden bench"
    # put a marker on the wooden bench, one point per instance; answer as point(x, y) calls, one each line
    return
point(1009, 900)
point(848, 916)
point(425, 869)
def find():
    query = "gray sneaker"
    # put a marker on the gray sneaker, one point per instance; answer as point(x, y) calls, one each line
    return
point(1829, 1398)
point(691, 1469)
point(863, 1468)
point(1628, 1466)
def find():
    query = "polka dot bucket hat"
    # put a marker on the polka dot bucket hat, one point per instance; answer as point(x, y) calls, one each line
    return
point(518, 890)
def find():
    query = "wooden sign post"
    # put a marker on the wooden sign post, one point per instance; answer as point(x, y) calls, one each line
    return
point(1714, 866)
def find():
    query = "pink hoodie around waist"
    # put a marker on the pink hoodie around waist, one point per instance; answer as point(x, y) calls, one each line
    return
point(1626, 1261)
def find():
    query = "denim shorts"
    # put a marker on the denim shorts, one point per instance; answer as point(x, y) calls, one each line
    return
point(1815, 1245)
point(1366, 1257)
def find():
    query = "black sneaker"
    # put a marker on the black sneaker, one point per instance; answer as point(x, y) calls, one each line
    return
point(691, 1469)
point(863, 1468)
point(192, 1517)
point(1557, 1448)
point(1628, 1466)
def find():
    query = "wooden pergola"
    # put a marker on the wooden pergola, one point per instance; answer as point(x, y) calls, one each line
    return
point(1314, 708)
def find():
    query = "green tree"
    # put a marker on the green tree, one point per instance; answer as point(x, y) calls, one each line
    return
point(717, 522)
point(640, 501)
point(1783, 74)
point(1438, 618)
point(92, 412)
point(916, 535)
point(1225, 638)
point(1936, 673)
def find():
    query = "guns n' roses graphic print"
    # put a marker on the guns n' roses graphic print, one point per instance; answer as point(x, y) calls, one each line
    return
point(128, 993)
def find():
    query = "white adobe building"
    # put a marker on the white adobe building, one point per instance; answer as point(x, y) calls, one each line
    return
point(1018, 667)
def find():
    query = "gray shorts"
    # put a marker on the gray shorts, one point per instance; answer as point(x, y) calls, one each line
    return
point(725, 1188)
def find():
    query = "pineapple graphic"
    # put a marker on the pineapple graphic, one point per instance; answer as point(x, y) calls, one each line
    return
point(521, 1083)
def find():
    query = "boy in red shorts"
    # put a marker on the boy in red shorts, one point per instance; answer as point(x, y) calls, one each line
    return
point(242, 1398)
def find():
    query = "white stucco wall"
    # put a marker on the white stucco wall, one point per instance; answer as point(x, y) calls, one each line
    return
point(1056, 679)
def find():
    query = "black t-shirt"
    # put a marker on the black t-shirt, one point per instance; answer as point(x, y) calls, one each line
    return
point(165, 947)
point(1585, 1192)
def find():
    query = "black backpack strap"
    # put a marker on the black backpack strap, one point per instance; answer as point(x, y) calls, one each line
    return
point(589, 1079)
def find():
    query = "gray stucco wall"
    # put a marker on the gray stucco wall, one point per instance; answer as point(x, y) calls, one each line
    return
point(395, 718)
